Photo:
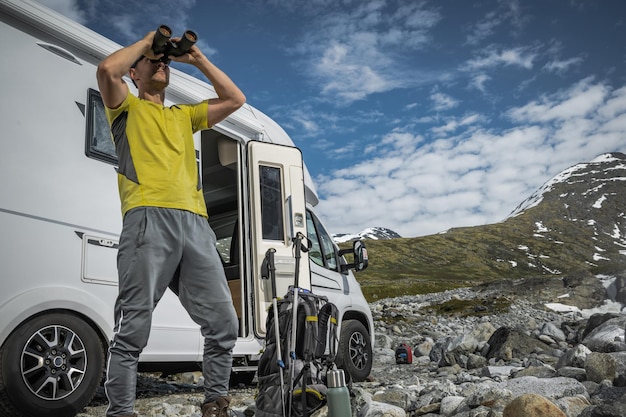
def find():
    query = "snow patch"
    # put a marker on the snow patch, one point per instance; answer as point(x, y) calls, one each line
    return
point(599, 201)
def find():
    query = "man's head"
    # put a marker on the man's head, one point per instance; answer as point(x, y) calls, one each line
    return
point(152, 74)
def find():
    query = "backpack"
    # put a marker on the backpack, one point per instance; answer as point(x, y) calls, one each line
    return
point(296, 385)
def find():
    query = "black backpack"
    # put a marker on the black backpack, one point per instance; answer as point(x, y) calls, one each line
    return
point(302, 368)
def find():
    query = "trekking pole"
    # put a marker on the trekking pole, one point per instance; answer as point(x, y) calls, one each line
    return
point(292, 345)
point(269, 256)
point(297, 244)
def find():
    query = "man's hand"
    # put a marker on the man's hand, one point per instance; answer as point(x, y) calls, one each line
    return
point(149, 53)
point(192, 57)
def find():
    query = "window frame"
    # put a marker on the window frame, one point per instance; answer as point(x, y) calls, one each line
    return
point(277, 206)
point(322, 235)
point(93, 97)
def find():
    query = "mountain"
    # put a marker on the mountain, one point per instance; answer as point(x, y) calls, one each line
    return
point(574, 222)
point(375, 233)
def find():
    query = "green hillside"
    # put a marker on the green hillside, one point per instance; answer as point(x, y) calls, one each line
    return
point(576, 226)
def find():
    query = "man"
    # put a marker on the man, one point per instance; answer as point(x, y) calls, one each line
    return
point(165, 236)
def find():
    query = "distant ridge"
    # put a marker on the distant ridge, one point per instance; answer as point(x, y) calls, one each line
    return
point(374, 233)
point(573, 174)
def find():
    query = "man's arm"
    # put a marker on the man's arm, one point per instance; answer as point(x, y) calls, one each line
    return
point(229, 96)
point(111, 70)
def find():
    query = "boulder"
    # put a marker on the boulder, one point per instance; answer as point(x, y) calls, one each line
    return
point(507, 343)
point(575, 356)
point(532, 405)
point(600, 366)
point(608, 336)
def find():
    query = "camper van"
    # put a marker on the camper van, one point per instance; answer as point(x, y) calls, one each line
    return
point(60, 219)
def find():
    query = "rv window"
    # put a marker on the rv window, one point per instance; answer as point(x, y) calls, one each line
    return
point(271, 203)
point(224, 226)
point(322, 251)
point(99, 144)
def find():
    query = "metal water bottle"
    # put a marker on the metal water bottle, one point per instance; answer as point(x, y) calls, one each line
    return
point(338, 396)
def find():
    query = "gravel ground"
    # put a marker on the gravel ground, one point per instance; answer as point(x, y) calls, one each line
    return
point(158, 397)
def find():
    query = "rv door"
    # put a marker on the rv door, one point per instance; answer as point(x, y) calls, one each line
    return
point(278, 214)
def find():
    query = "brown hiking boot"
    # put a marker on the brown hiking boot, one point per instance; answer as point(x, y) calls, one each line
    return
point(218, 408)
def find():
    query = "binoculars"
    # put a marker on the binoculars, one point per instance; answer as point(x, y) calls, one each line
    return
point(161, 44)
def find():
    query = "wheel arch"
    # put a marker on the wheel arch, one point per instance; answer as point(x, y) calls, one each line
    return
point(363, 319)
point(95, 312)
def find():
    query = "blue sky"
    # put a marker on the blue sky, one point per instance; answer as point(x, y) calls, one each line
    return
point(413, 115)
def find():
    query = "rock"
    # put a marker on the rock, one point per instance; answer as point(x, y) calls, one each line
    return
point(532, 405)
point(553, 388)
point(596, 320)
point(620, 368)
point(575, 356)
point(450, 404)
point(614, 409)
point(383, 341)
point(541, 371)
point(550, 330)
point(585, 290)
point(424, 348)
point(606, 336)
point(476, 361)
point(506, 343)
point(499, 371)
point(399, 397)
point(600, 366)
point(494, 397)
point(620, 287)
point(573, 406)
point(572, 372)
point(365, 406)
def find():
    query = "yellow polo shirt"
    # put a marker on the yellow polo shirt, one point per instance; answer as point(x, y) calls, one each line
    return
point(157, 157)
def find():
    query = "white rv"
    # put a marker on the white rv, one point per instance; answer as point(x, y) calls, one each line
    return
point(60, 221)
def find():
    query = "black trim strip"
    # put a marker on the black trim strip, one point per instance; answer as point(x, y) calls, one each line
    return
point(44, 219)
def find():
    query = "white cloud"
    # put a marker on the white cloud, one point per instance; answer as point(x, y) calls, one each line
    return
point(579, 100)
point(355, 51)
point(478, 82)
point(443, 101)
point(561, 66)
point(131, 20)
point(616, 104)
point(453, 123)
point(505, 14)
point(67, 8)
point(522, 57)
point(479, 176)
point(484, 28)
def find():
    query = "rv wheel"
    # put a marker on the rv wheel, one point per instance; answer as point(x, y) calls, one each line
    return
point(50, 366)
point(355, 350)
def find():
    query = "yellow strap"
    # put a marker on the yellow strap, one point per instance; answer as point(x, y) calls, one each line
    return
point(311, 318)
point(309, 391)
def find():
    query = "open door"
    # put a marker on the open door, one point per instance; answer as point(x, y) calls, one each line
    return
point(278, 213)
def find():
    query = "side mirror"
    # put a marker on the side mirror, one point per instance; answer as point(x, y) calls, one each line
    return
point(359, 253)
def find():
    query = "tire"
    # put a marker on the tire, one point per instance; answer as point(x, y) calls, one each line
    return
point(241, 378)
point(355, 350)
point(50, 366)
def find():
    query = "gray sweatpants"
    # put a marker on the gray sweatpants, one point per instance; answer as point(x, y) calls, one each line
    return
point(154, 243)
